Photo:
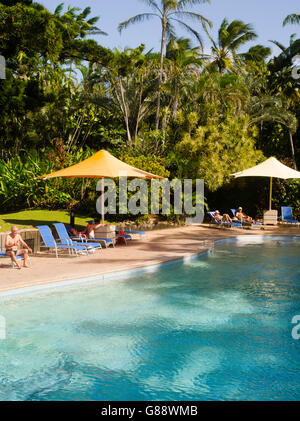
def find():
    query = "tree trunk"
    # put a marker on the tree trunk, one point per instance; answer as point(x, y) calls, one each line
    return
point(220, 69)
point(126, 117)
point(292, 149)
point(163, 40)
point(175, 103)
point(71, 69)
point(139, 112)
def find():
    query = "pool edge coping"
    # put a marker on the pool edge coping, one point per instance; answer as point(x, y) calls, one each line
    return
point(94, 279)
point(126, 273)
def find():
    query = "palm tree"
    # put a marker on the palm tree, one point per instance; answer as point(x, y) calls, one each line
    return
point(231, 37)
point(285, 58)
point(281, 81)
point(257, 54)
point(274, 108)
point(126, 88)
point(169, 12)
point(292, 19)
point(183, 62)
point(224, 94)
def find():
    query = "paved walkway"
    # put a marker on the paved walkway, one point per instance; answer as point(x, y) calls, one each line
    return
point(160, 246)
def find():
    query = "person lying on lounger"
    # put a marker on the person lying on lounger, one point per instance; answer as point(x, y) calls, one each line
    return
point(222, 218)
point(12, 242)
point(243, 217)
point(88, 230)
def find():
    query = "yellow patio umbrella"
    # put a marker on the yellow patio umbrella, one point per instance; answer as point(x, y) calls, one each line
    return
point(270, 168)
point(101, 165)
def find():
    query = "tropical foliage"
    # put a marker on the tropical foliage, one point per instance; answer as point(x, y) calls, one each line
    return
point(178, 113)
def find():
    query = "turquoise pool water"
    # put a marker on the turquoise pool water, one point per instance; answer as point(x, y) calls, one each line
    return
point(216, 328)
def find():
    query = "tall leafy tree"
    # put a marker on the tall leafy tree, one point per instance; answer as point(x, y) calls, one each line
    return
point(218, 149)
point(30, 33)
point(282, 83)
point(129, 85)
point(75, 23)
point(275, 109)
point(169, 12)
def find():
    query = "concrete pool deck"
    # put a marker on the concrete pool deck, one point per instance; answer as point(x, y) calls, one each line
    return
point(160, 246)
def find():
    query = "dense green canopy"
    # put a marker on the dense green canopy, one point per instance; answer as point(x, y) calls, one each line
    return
point(178, 113)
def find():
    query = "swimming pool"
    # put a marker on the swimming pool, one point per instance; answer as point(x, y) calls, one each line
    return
point(215, 328)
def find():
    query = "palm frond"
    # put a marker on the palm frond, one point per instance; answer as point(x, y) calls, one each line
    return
point(92, 21)
point(249, 36)
point(192, 16)
point(84, 13)
point(235, 34)
point(152, 4)
point(222, 32)
point(209, 36)
point(278, 44)
point(136, 19)
point(58, 9)
point(292, 19)
point(100, 100)
point(97, 31)
point(190, 29)
point(258, 53)
point(184, 3)
point(170, 31)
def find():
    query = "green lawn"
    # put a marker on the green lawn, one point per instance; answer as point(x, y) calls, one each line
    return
point(32, 218)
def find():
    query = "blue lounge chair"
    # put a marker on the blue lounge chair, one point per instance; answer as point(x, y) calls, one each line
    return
point(222, 223)
point(106, 241)
point(233, 211)
point(126, 236)
point(252, 224)
point(65, 238)
point(140, 233)
point(49, 242)
point(287, 215)
point(18, 257)
point(83, 237)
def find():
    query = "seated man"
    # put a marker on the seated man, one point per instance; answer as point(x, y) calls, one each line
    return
point(12, 242)
point(224, 218)
point(243, 217)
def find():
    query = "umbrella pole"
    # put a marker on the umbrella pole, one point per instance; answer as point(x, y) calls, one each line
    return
point(102, 198)
point(271, 187)
point(72, 218)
